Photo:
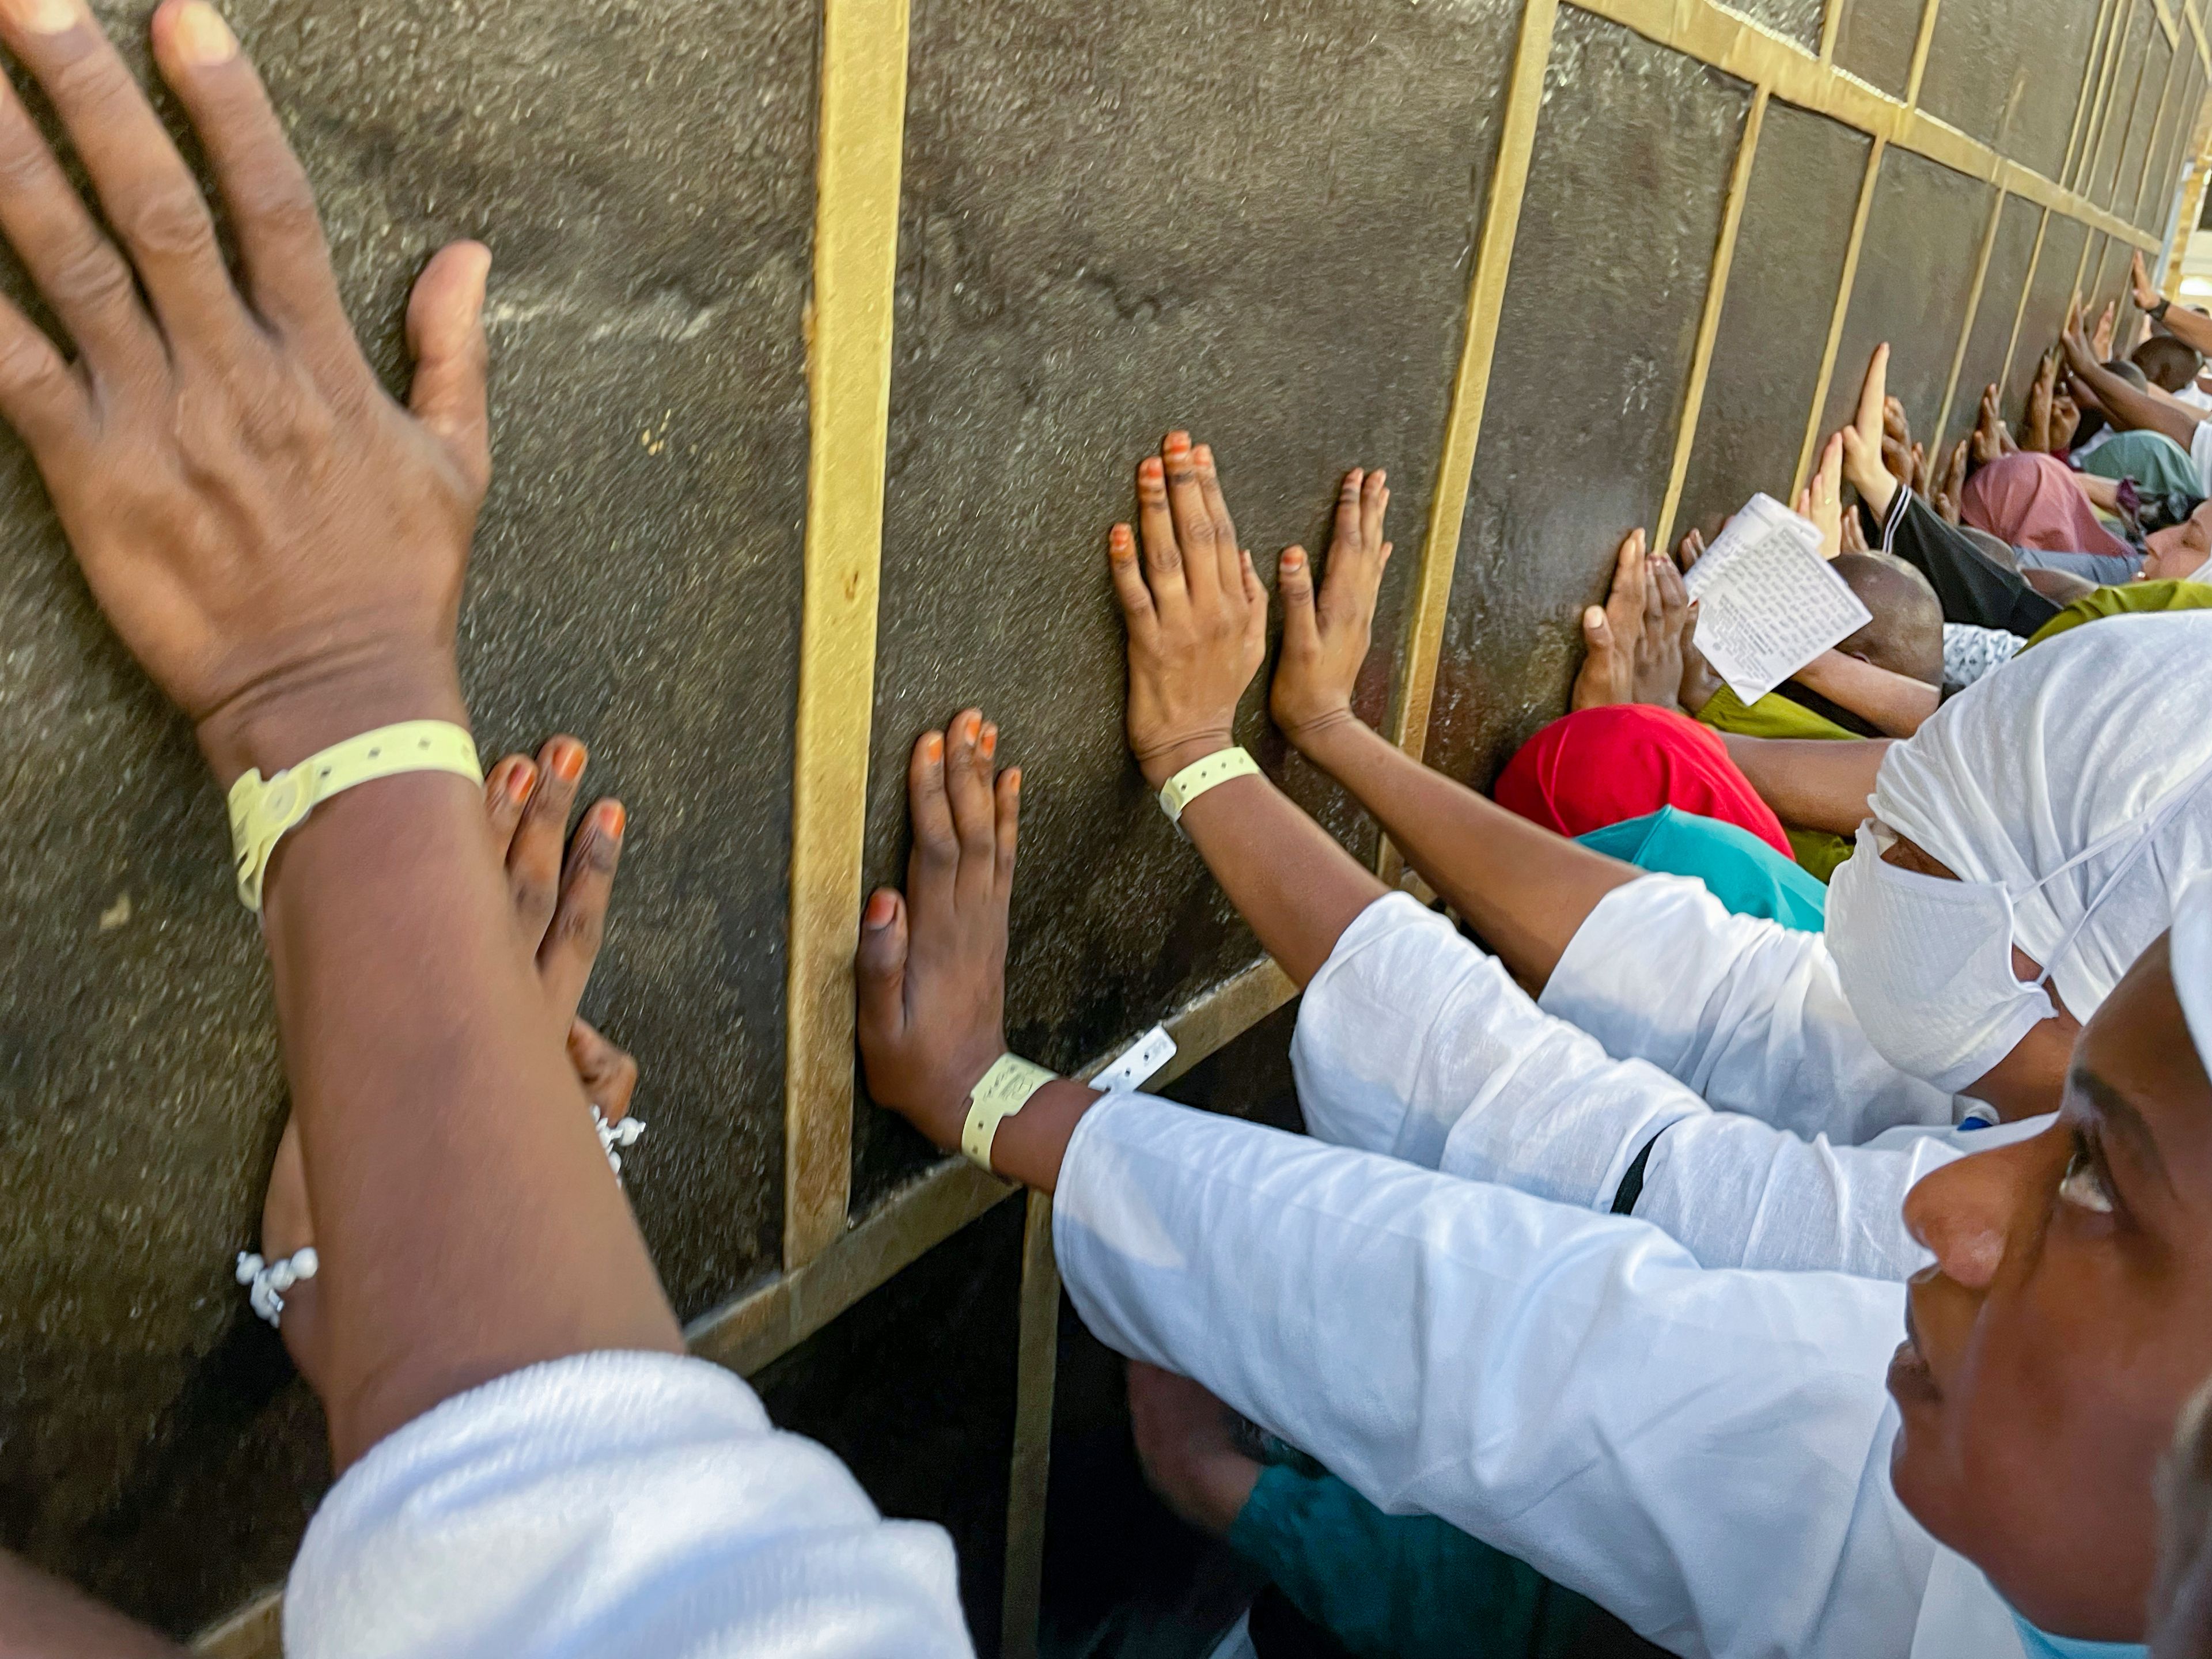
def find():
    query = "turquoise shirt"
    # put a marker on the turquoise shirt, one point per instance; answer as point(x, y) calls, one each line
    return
point(1740, 870)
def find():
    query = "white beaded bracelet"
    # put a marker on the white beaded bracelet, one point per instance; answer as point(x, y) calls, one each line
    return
point(611, 1135)
point(267, 1281)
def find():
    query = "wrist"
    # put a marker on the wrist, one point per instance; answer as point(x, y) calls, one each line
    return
point(277, 723)
point(1317, 730)
point(1163, 760)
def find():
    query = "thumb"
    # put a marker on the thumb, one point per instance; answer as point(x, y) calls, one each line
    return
point(1294, 580)
point(879, 968)
point(1595, 630)
point(445, 332)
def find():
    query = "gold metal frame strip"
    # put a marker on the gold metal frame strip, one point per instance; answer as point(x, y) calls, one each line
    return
point(2166, 22)
point(2196, 22)
point(2087, 183)
point(1748, 51)
point(1485, 299)
point(2092, 78)
point(1967, 329)
point(1709, 318)
point(2174, 62)
point(1836, 318)
point(2115, 44)
point(863, 114)
point(1920, 44)
point(2020, 306)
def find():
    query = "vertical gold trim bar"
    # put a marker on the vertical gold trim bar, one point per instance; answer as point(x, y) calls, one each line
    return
point(1709, 319)
point(2115, 47)
point(2091, 72)
point(1967, 328)
point(863, 114)
point(1485, 299)
point(1831, 24)
point(2173, 63)
point(1920, 53)
point(1028, 1471)
point(1835, 319)
point(2020, 309)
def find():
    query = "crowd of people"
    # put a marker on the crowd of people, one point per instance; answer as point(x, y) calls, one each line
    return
point(1763, 1205)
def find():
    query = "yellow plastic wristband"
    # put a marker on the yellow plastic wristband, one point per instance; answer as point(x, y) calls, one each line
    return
point(998, 1095)
point(262, 812)
point(1195, 779)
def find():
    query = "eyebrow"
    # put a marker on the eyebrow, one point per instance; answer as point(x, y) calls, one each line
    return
point(2119, 1118)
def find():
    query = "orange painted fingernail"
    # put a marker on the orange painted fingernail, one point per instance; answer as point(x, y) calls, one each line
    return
point(990, 740)
point(200, 36)
point(1150, 467)
point(1118, 541)
point(611, 819)
point(933, 748)
point(1293, 559)
point(1203, 454)
point(568, 760)
point(1014, 780)
point(43, 16)
point(519, 778)
point(1178, 440)
point(879, 911)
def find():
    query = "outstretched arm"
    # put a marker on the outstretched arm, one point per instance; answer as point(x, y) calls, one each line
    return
point(1525, 889)
point(2129, 407)
point(1197, 618)
point(282, 546)
point(1811, 783)
point(2191, 328)
point(1897, 703)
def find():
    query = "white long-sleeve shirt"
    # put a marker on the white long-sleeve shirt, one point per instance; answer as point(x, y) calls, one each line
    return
point(1702, 1452)
point(1413, 1042)
point(613, 1505)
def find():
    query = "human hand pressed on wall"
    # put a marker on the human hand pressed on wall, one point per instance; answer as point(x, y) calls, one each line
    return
point(2100, 338)
point(2035, 432)
point(1325, 641)
point(1196, 613)
point(277, 542)
point(1992, 438)
point(932, 966)
point(2071, 341)
point(1863, 468)
point(559, 900)
point(1699, 682)
point(1950, 483)
point(2139, 283)
point(1822, 498)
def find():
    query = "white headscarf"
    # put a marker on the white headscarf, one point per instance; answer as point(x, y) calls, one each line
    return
point(2059, 752)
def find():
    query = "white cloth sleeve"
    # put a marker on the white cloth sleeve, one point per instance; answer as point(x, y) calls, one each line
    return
point(1703, 1453)
point(1413, 1042)
point(612, 1504)
point(1747, 1013)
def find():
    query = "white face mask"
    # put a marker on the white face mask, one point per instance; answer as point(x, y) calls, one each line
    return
point(1927, 965)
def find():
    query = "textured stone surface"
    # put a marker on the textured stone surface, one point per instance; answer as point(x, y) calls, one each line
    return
point(2010, 74)
point(2097, 181)
point(1774, 321)
point(1120, 219)
point(1916, 273)
point(653, 259)
point(2064, 242)
point(913, 1386)
point(1624, 204)
point(2003, 285)
point(2150, 96)
point(1874, 42)
point(2155, 199)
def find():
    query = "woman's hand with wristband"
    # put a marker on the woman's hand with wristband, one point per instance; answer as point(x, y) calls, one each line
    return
point(1197, 614)
point(932, 961)
point(278, 543)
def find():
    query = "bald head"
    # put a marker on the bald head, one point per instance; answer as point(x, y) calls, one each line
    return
point(2166, 364)
point(1905, 636)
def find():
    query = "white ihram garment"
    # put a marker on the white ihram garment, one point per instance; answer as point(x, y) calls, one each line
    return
point(613, 1505)
point(1704, 1452)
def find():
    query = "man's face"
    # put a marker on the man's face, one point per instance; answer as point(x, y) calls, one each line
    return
point(2064, 1322)
point(2178, 552)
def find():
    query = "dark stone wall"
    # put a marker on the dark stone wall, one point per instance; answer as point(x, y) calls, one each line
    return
point(1254, 218)
point(1766, 357)
point(1623, 208)
point(1987, 341)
